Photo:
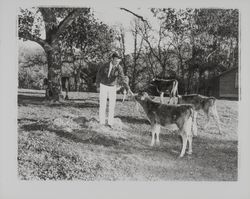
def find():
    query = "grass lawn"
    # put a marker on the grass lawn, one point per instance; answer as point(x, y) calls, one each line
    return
point(65, 142)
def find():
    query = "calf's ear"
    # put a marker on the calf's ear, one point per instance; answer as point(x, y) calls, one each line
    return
point(141, 97)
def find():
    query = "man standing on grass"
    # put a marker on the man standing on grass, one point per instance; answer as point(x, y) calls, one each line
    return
point(106, 81)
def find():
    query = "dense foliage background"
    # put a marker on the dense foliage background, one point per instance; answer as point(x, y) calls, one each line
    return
point(192, 45)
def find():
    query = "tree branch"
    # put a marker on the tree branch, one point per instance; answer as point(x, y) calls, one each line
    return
point(139, 51)
point(138, 16)
point(152, 65)
point(210, 55)
point(159, 43)
point(49, 21)
point(34, 38)
point(52, 30)
point(152, 50)
point(145, 38)
point(66, 22)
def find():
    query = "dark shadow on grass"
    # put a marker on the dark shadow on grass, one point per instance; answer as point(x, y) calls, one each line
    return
point(133, 120)
point(25, 100)
point(28, 99)
point(33, 92)
point(73, 104)
point(27, 119)
point(72, 99)
point(35, 127)
point(86, 136)
point(85, 105)
point(120, 100)
point(84, 99)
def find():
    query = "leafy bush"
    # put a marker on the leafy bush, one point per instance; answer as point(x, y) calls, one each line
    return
point(31, 78)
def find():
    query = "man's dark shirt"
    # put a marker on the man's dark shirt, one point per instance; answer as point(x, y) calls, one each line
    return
point(111, 80)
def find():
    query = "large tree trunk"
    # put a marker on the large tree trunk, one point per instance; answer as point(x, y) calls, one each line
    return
point(52, 50)
point(54, 89)
point(164, 71)
point(133, 79)
point(77, 81)
point(181, 67)
point(199, 81)
point(51, 46)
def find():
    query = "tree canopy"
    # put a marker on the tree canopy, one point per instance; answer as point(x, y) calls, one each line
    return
point(188, 44)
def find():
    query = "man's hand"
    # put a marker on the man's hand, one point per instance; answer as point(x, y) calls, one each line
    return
point(98, 89)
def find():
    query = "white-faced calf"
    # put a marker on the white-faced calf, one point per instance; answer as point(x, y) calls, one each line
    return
point(121, 88)
point(162, 115)
point(207, 104)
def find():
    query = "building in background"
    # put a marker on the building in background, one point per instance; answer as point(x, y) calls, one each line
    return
point(226, 85)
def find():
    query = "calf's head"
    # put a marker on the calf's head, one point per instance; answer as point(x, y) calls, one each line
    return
point(141, 96)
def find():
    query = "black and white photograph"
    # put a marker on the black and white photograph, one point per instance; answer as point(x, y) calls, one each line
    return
point(111, 94)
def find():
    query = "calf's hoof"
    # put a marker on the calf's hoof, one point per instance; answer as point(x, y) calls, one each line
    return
point(158, 143)
point(180, 156)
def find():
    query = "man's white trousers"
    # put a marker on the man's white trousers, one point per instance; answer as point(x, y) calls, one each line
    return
point(105, 93)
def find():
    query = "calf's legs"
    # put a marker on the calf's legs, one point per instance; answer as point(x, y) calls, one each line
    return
point(124, 95)
point(185, 131)
point(184, 145)
point(187, 136)
point(161, 97)
point(155, 132)
point(194, 125)
point(190, 139)
point(215, 115)
point(186, 139)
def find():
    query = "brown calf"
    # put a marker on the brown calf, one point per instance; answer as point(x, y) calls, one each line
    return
point(162, 115)
point(207, 104)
